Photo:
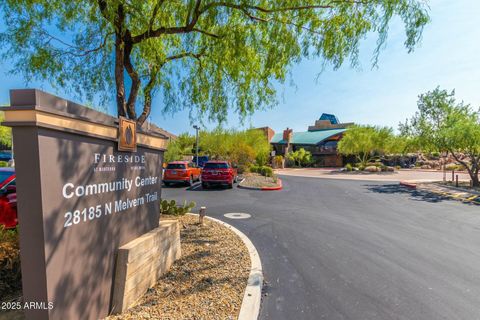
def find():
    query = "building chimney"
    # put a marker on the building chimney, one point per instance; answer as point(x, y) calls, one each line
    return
point(287, 135)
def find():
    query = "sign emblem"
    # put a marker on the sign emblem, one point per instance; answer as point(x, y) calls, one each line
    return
point(127, 135)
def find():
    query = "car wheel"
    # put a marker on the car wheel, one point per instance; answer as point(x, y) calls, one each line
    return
point(190, 181)
point(167, 184)
point(230, 185)
point(204, 185)
point(235, 180)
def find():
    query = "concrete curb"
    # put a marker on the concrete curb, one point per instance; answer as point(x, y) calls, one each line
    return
point(279, 187)
point(408, 184)
point(451, 195)
point(252, 297)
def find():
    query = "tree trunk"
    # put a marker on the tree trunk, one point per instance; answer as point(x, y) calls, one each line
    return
point(475, 181)
point(133, 75)
point(474, 173)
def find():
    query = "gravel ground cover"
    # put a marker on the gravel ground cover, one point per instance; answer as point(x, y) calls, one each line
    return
point(258, 181)
point(208, 282)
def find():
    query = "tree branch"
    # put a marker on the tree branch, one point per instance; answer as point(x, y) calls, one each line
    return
point(120, 60)
point(82, 53)
point(148, 96)
point(190, 26)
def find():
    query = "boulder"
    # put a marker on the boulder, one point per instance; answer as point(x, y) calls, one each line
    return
point(372, 169)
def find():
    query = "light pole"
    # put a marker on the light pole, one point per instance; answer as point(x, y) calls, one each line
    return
point(196, 142)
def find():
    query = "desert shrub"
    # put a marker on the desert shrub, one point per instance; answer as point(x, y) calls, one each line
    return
point(3, 164)
point(349, 167)
point(10, 273)
point(301, 157)
point(255, 169)
point(263, 170)
point(278, 161)
point(171, 207)
point(454, 166)
point(266, 171)
point(261, 159)
point(241, 169)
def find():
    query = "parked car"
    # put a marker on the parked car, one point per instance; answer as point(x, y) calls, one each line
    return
point(201, 160)
point(8, 198)
point(218, 173)
point(181, 172)
point(5, 156)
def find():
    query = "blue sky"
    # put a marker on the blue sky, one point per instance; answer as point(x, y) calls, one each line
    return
point(449, 56)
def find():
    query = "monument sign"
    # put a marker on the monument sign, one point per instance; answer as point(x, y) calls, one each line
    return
point(79, 200)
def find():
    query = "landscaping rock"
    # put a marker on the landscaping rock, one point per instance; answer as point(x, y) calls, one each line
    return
point(208, 282)
point(372, 169)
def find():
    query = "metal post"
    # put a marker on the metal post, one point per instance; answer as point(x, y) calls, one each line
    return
point(444, 172)
point(201, 214)
point(456, 181)
point(196, 143)
point(453, 175)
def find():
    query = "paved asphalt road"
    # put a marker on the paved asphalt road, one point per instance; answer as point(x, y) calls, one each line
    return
point(336, 249)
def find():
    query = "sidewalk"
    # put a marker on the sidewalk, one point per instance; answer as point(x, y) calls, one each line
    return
point(413, 175)
point(460, 194)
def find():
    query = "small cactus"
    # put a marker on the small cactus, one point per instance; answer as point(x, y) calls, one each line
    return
point(171, 207)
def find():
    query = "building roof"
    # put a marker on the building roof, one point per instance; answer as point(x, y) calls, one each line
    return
point(307, 137)
point(330, 117)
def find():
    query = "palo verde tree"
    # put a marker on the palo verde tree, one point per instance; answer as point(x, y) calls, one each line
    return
point(205, 55)
point(364, 142)
point(442, 124)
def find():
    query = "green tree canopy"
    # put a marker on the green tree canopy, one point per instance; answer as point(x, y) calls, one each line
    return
point(239, 147)
point(364, 142)
point(179, 147)
point(208, 56)
point(442, 124)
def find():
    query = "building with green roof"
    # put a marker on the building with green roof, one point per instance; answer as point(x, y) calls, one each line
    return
point(320, 139)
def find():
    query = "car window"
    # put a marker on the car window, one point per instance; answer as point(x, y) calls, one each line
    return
point(175, 166)
point(215, 165)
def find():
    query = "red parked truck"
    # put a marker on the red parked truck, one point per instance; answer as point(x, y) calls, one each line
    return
point(181, 172)
point(218, 173)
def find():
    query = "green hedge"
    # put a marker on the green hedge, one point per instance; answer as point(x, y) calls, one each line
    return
point(263, 170)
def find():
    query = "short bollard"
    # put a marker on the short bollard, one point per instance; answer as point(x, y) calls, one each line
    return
point(201, 215)
point(456, 181)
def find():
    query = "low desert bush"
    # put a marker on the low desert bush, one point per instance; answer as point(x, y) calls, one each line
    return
point(10, 273)
point(172, 208)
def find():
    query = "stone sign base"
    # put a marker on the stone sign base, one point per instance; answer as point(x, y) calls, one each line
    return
point(141, 262)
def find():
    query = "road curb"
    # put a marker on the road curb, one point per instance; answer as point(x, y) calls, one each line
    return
point(474, 199)
point(252, 297)
point(279, 187)
point(408, 184)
